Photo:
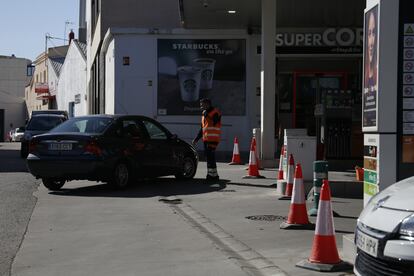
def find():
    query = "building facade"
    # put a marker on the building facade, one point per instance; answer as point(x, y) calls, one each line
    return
point(40, 93)
point(71, 89)
point(14, 75)
point(143, 63)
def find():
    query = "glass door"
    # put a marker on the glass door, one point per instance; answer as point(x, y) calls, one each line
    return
point(315, 93)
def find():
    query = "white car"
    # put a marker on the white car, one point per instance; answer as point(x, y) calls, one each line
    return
point(385, 232)
point(18, 134)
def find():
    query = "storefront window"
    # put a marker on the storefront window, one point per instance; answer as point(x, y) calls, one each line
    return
point(284, 85)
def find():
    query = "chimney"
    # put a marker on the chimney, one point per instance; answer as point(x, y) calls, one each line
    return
point(71, 36)
point(82, 21)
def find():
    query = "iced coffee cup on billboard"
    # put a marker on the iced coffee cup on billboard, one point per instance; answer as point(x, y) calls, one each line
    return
point(189, 78)
point(207, 71)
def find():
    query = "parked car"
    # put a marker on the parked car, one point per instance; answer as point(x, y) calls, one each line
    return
point(110, 148)
point(18, 134)
point(38, 124)
point(9, 136)
point(385, 232)
point(51, 111)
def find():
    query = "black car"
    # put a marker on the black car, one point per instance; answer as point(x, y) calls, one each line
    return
point(109, 148)
point(39, 123)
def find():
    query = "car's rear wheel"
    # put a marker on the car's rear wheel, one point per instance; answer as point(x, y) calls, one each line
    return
point(121, 176)
point(53, 185)
point(24, 150)
point(188, 168)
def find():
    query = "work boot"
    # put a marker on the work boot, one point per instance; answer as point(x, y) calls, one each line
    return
point(212, 177)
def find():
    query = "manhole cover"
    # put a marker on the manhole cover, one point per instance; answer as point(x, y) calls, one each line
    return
point(228, 191)
point(171, 201)
point(267, 218)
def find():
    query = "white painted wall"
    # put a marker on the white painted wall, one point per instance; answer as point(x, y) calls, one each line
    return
point(134, 95)
point(13, 80)
point(72, 81)
point(110, 79)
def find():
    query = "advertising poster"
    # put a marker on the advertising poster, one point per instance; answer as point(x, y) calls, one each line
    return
point(371, 179)
point(192, 69)
point(370, 68)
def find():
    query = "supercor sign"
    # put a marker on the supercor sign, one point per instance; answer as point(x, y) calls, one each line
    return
point(330, 40)
point(328, 37)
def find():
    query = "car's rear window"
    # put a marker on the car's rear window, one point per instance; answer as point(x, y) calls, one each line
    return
point(84, 125)
point(44, 123)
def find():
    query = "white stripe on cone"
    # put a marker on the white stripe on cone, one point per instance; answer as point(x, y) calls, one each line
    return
point(298, 193)
point(252, 158)
point(236, 149)
point(326, 226)
point(290, 172)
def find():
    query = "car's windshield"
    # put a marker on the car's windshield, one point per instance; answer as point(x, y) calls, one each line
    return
point(84, 125)
point(44, 123)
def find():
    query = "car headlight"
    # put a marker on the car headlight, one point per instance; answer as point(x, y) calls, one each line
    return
point(407, 227)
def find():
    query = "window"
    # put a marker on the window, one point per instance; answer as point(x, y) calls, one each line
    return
point(154, 131)
point(30, 70)
point(84, 125)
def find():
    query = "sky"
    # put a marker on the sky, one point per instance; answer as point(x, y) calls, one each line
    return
point(24, 24)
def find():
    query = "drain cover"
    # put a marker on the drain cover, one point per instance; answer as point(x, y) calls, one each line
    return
point(228, 191)
point(171, 201)
point(267, 218)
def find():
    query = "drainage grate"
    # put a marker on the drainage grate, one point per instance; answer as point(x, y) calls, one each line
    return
point(171, 201)
point(267, 218)
point(228, 191)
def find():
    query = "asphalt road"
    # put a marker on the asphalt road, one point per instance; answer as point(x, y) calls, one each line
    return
point(16, 203)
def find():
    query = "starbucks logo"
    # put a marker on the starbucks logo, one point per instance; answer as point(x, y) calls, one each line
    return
point(207, 75)
point(190, 85)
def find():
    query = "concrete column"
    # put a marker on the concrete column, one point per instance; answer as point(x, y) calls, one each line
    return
point(268, 87)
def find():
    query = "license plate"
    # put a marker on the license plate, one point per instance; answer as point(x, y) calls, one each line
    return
point(367, 244)
point(60, 146)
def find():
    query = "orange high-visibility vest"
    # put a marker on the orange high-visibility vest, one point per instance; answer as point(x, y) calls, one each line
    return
point(211, 133)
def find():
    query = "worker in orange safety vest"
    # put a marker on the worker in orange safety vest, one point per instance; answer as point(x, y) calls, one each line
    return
point(210, 131)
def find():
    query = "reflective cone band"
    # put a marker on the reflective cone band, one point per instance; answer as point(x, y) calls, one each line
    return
point(289, 180)
point(253, 171)
point(280, 171)
point(255, 153)
point(324, 243)
point(297, 212)
point(236, 160)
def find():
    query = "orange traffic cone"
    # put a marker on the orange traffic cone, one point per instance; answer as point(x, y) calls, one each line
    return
point(324, 255)
point(257, 155)
point(280, 171)
point(236, 160)
point(253, 171)
point(289, 179)
point(298, 215)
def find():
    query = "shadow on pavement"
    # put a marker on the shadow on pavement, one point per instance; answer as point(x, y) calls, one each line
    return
point(148, 188)
point(10, 161)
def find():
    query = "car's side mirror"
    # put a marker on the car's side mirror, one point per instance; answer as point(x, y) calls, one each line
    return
point(174, 137)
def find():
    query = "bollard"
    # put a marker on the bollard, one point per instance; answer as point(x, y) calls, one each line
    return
point(320, 172)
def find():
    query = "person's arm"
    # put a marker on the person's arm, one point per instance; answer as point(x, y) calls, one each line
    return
point(198, 137)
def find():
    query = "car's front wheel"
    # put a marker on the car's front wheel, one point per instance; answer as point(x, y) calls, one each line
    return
point(53, 185)
point(188, 168)
point(121, 176)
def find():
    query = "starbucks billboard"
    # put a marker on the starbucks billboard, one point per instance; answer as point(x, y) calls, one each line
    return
point(191, 69)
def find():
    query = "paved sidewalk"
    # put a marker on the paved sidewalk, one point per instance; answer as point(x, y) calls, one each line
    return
point(166, 227)
point(258, 199)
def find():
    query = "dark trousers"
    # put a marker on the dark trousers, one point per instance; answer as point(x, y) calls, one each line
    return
point(210, 153)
